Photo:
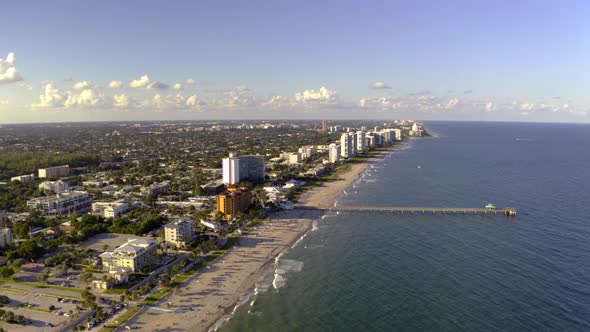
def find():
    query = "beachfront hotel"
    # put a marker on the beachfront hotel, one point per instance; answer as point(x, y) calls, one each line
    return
point(234, 201)
point(133, 255)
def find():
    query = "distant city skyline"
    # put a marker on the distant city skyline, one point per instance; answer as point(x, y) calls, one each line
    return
point(63, 61)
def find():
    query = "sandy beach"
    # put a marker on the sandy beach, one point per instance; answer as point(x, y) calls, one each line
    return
point(213, 292)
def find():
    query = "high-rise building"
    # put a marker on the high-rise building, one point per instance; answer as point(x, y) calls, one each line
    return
point(325, 126)
point(334, 153)
point(243, 168)
point(398, 134)
point(347, 145)
point(360, 141)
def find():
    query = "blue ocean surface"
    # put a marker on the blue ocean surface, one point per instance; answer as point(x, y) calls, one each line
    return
point(380, 272)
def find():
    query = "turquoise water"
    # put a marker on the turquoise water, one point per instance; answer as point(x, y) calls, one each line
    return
point(371, 272)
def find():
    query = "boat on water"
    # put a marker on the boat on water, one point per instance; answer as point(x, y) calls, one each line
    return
point(490, 206)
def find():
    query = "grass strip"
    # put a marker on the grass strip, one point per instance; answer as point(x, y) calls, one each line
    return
point(58, 296)
point(121, 319)
point(33, 308)
point(40, 285)
point(14, 290)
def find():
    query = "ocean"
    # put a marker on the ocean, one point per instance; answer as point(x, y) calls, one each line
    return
point(376, 272)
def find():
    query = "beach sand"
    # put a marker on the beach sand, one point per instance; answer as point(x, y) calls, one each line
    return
point(214, 291)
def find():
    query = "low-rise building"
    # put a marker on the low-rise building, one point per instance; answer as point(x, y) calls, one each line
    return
point(180, 232)
point(54, 172)
point(23, 178)
point(62, 203)
point(233, 201)
point(156, 189)
point(110, 209)
point(134, 255)
point(57, 187)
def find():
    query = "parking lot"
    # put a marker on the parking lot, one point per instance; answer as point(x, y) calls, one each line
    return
point(40, 306)
point(110, 241)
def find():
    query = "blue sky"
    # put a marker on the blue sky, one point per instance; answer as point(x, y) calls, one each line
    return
point(457, 60)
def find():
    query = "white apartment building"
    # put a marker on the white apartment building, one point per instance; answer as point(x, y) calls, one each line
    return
point(5, 237)
point(292, 158)
point(243, 168)
point(54, 172)
point(134, 255)
point(347, 145)
point(360, 141)
point(307, 151)
point(23, 178)
point(231, 169)
point(180, 232)
point(57, 187)
point(63, 203)
point(398, 134)
point(110, 209)
point(334, 153)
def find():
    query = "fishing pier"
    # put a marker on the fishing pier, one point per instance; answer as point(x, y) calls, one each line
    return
point(508, 211)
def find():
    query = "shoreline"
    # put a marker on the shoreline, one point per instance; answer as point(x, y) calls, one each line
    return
point(215, 292)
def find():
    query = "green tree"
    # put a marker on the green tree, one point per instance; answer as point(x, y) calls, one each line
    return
point(6, 271)
point(43, 275)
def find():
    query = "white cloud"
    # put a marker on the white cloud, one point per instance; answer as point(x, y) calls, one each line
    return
point(240, 96)
point(452, 103)
point(190, 81)
point(8, 72)
point(3, 102)
point(115, 84)
point(87, 97)
point(52, 97)
point(277, 102)
point(121, 101)
point(178, 86)
point(140, 83)
point(144, 82)
point(323, 96)
point(379, 85)
point(527, 107)
point(83, 85)
point(194, 101)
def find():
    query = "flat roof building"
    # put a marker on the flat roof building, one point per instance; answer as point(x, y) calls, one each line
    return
point(134, 255)
point(54, 172)
point(62, 203)
point(180, 232)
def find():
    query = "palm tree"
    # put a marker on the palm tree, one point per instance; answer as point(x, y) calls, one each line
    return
point(259, 196)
